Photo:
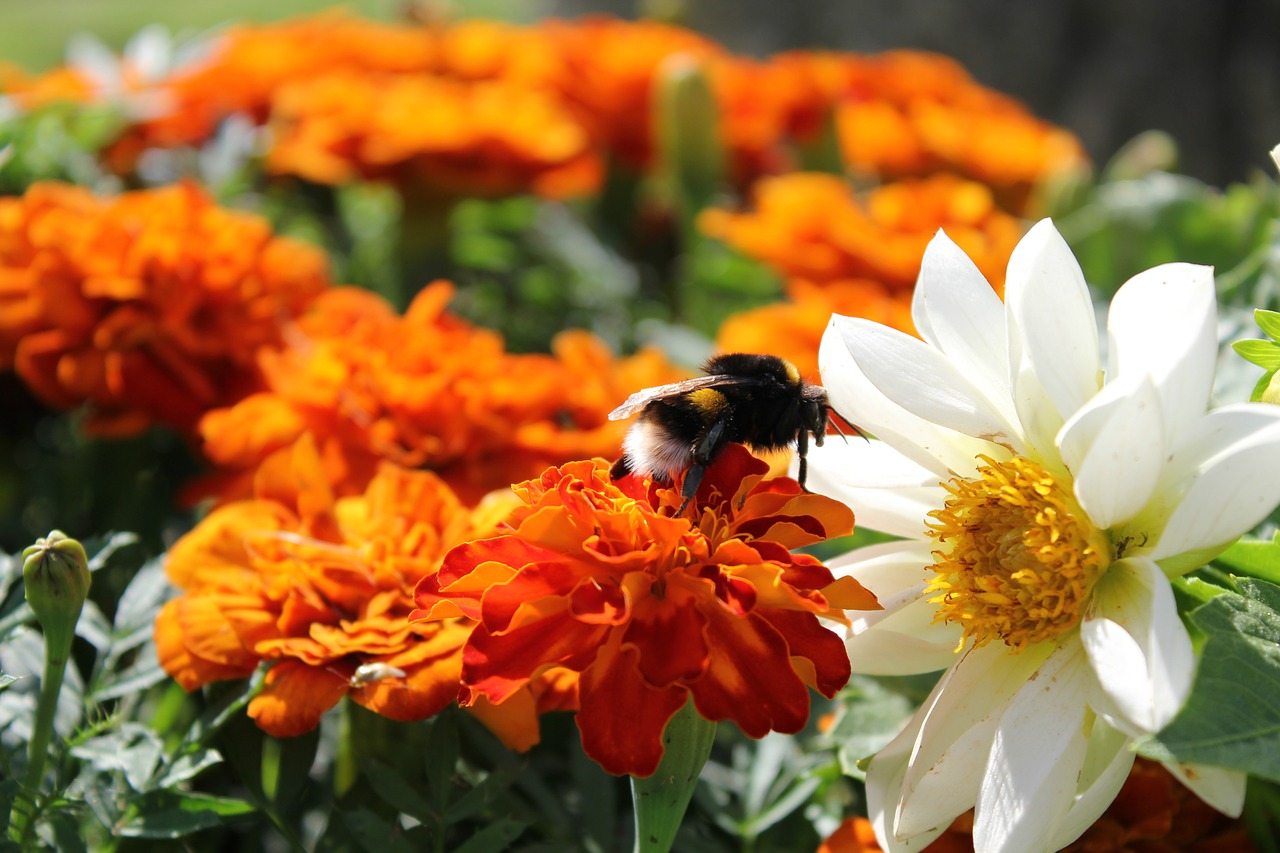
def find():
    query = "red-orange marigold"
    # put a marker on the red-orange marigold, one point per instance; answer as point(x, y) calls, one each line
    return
point(323, 587)
point(148, 307)
point(603, 579)
point(425, 389)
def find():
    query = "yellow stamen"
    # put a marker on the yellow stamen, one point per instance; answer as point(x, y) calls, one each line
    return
point(1016, 558)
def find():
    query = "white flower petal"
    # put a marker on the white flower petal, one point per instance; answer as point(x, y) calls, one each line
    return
point(922, 380)
point(962, 714)
point(901, 639)
point(1221, 788)
point(1232, 465)
point(1114, 447)
point(886, 490)
point(956, 310)
point(1163, 323)
point(852, 394)
point(1036, 758)
point(884, 791)
point(1053, 345)
point(1137, 645)
point(1107, 763)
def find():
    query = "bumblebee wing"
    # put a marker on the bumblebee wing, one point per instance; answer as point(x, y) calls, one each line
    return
point(640, 399)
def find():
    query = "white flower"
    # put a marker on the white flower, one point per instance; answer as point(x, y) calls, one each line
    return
point(1043, 510)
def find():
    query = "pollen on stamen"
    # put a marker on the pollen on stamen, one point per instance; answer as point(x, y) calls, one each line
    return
point(1015, 559)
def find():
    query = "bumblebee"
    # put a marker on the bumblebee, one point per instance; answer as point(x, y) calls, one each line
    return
point(757, 400)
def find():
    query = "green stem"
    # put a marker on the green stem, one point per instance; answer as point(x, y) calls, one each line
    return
point(660, 800)
point(56, 653)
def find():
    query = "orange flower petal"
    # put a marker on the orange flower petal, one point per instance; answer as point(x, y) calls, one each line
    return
point(629, 743)
point(294, 697)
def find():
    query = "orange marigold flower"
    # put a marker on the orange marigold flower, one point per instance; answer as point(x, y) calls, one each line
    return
point(813, 226)
point(424, 390)
point(487, 137)
point(904, 113)
point(322, 587)
point(148, 307)
point(609, 71)
point(602, 579)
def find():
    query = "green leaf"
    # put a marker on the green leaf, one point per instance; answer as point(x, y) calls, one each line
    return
point(187, 767)
point(441, 756)
point(170, 814)
point(1230, 719)
point(375, 834)
point(398, 793)
point(1265, 354)
point(872, 717)
point(494, 838)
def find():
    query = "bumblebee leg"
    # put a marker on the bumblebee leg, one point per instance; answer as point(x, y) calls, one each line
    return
point(704, 451)
point(802, 451)
point(692, 479)
point(621, 468)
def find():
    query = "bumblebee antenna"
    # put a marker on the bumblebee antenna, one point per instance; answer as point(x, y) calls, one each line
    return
point(836, 424)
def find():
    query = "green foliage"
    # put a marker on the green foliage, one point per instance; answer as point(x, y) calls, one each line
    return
point(1230, 720)
point(58, 142)
point(1140, 216)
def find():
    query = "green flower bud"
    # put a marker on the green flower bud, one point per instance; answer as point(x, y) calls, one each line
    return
point(55, 571)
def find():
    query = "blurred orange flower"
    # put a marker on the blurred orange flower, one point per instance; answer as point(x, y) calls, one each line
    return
point(322, 587)
point(845, 254)
point(815, 226)
point(602, 579)
point(1154, 813)
point(426, 390)
point(479, 138)
point(609, 69)
point(147, 307)
point(911, 113)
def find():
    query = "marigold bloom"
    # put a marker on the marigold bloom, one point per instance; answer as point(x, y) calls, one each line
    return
point(813, 226)
point(148, 307)
point(609, 70)
point(323, 586)
point(600, 578)
point(424, 390)
point(483, 138)
point(904, 113)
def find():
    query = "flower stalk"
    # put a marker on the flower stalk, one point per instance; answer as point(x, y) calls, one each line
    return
point(660, 800)
point(55, 572)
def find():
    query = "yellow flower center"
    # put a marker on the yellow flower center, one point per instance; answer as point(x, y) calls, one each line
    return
point(1016, 558)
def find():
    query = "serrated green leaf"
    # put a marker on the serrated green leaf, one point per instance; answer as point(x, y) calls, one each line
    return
point(873, 715)
point(144, 672)
point(494, 838)
point(170, 814)
point(187, 767)
point(1265, 354)
point(1230, 719)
